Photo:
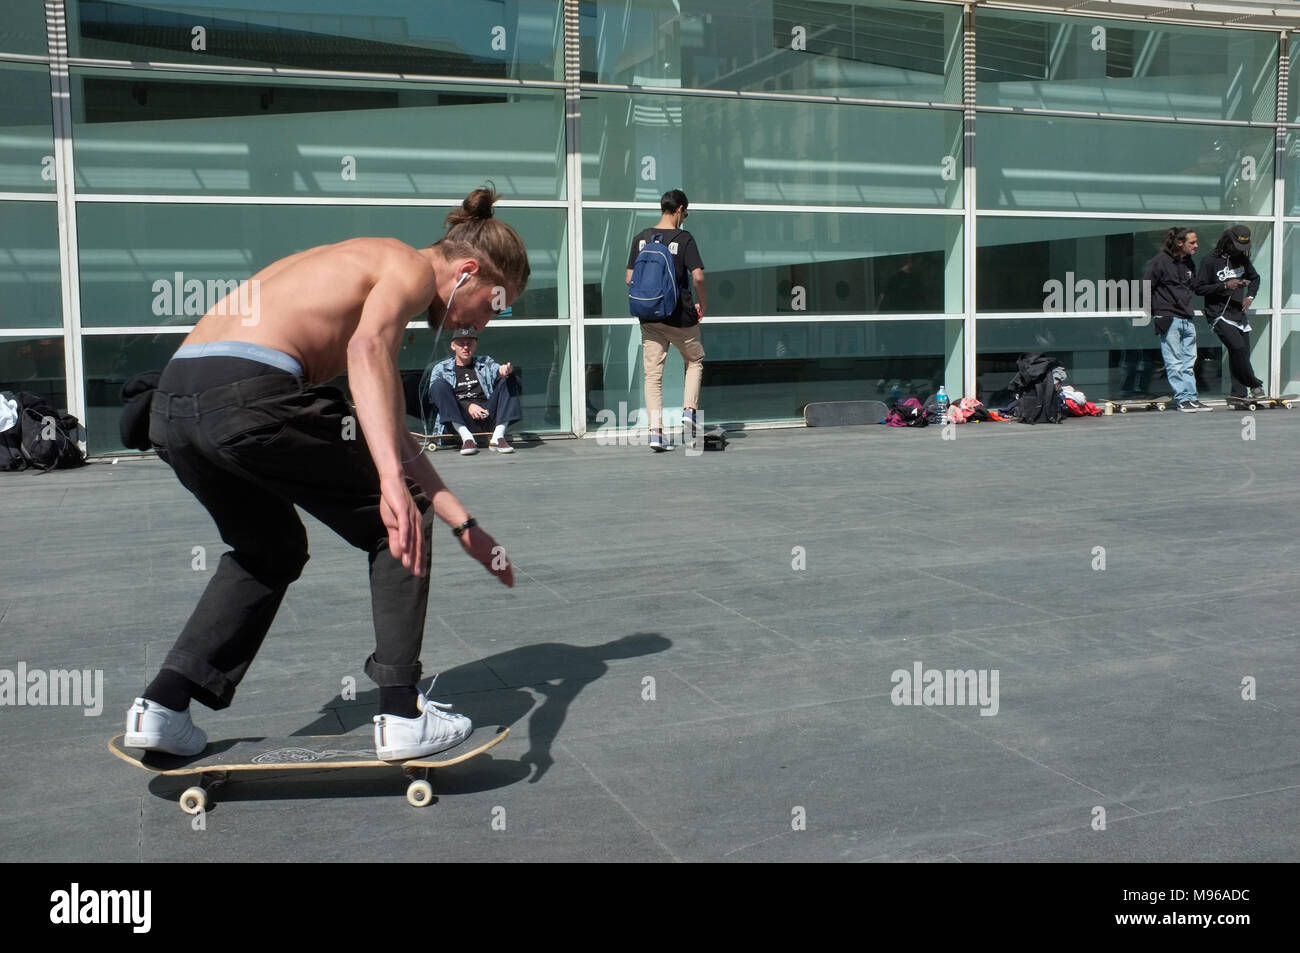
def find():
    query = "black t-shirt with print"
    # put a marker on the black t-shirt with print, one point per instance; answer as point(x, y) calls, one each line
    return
point(686, 258)
point(469, 390)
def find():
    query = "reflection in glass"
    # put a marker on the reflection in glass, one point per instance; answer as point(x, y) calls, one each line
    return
point(758, 151)
point(30, 289)
point(877, 50)
point(26, 130)
point(142, 133)
point(1054, 62)
point(768, 371)
point(805, 263)
point(480, 38)
point(1031, 162)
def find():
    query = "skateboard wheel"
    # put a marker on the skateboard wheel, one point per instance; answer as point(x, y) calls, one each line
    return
point(194, 800)
point(1123, 409)
point(1160, 407)
point(419, 793)
point(1286, 404)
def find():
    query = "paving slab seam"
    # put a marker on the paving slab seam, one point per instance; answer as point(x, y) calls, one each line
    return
point(619, 801)
point(703, 694)
point(747, 618)
point(1137, 814)
point(1021, 754)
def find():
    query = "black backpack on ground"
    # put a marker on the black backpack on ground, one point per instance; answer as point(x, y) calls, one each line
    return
point(1038, 400)
point(48, 438)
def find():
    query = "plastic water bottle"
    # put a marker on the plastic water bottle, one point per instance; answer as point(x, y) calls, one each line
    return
point(941, 399)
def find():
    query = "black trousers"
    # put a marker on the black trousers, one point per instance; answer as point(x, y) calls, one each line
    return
point(251, 442)
point(1238, 344)
point(502, 406)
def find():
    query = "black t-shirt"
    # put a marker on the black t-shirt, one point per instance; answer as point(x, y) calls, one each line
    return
point(686, 258)
point(469, 389)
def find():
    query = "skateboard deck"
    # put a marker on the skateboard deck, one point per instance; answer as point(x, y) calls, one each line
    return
point(711, 438)
point(431, 440)
point(844, 413)
point(303, 752)
point(1285, 401)
point(1124, 405)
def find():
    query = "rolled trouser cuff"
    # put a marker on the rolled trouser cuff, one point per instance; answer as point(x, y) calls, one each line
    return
point(390, 676)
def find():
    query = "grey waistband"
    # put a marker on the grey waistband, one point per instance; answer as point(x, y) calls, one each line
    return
point(251, 352)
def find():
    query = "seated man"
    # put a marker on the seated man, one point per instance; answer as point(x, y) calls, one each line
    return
point(474, 393)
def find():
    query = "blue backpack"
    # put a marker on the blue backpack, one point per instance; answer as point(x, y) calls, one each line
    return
point(652, 295)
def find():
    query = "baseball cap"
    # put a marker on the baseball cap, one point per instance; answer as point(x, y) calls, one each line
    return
point(464, 333)
point(1240, 237)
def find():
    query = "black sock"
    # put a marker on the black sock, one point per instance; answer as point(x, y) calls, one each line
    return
point(398, 700)
point(171, 690)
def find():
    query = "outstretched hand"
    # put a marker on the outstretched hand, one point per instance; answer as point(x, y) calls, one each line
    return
point(405, 525)
point(483, 548)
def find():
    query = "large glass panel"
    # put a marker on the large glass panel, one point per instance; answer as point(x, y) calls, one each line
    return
point(768, 263)
point(879, 50)
point(148, 133)
point(137, 261)
point(110, 361)
point(522, 39)
point(768, 371)
point(754, 151)
point(34, 365)
point(1290, 265)
point(541, 356)
point(26, 130)
point(1088, 265)
point(30, 290)
point(1111, 66)
point(22, 28)
point(1289, 325)
point(1104, 356)
point(1107, 165)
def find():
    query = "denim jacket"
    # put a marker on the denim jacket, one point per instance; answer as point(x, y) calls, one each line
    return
point(488, 372)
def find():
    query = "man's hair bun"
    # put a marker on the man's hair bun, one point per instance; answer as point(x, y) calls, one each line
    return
point(476, 207)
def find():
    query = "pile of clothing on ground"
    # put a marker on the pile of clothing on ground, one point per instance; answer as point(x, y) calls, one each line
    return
point(33, 435)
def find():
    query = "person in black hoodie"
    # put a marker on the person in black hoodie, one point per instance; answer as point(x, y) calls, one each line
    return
point(1228, 282)
point(1170, 276)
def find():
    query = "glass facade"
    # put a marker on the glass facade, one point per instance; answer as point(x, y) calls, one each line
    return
point(860, 238)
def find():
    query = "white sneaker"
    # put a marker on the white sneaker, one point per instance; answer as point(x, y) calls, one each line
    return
point(398, 739)
point(150, 725)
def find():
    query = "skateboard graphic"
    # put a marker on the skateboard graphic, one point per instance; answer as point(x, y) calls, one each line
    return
point(1285, 401)
point(844, 413)
point(1124, 405)
point(215, 764)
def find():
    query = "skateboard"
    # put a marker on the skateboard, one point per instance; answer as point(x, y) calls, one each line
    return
point(431, 440)
point(844, 413)
point(1124, 405)
point(712, 438)
point(304, 752)
point(1285, 401)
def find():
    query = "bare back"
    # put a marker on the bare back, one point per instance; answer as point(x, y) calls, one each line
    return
point(308, 305)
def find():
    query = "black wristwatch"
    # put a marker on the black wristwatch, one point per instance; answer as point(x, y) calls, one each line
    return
point(457, 530)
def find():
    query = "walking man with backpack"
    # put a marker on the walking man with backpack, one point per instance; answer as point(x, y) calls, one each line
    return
point(659, 294)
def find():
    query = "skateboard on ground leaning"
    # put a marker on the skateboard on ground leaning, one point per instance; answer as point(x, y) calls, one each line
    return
point(844, 413)
point(1285, 401)
point(1124, 405)
point(304, 752)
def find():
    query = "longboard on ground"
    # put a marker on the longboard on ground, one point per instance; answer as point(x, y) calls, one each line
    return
point(1125, 404)
point(844, 413)
point(214, 765)
point(1285, 401)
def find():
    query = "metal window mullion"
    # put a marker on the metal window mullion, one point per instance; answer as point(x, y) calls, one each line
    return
point(1275, 382)
point(56, 29)
point(968, 88)
point(573, 192)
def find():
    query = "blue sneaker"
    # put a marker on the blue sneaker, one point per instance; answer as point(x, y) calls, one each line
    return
point(691, 419)
point(660, 443)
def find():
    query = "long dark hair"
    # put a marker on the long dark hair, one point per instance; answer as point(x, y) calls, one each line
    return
point(1174, 237)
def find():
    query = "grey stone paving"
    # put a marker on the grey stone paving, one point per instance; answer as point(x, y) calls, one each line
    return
point(1119, 689)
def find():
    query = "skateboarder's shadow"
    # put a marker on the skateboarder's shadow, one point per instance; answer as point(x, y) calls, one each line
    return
point(502, 689)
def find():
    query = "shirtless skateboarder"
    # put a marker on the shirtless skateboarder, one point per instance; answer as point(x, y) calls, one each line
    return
point(242, 418)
